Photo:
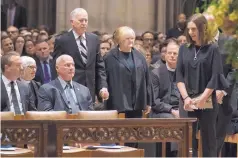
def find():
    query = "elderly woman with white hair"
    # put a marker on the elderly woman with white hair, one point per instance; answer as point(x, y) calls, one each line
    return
point(128, 77)
point(28, 74)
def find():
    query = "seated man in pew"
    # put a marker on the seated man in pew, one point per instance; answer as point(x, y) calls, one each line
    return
point(63, 94)
point(166, 93)
point(16, 96)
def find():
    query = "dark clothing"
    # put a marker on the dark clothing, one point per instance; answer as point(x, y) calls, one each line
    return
point(166, 94)
point(205, 72)
point(34, 88)
point(20, 17)
point(123, 86)
point(40, 75)
point(51, 97)
point(91, 75)
point(225, 109)
point(174, 33)
point(197, 75)
point(27, 99)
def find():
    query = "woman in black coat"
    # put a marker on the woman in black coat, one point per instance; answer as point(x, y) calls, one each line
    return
point(199, 73)
point(128, 77)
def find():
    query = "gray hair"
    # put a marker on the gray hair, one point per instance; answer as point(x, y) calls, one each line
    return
point(62, 58)
point(77, 11)
point(27, 61)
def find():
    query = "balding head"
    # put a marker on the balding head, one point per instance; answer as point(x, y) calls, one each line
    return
point(79, 20)
point(65, 67)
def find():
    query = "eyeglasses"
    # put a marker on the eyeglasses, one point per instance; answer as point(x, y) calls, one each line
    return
point(32, 67)
point(174, 53)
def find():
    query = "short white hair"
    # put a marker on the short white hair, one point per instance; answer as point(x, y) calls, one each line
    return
point(27, 61)
point(62, 58)
point(77, 11)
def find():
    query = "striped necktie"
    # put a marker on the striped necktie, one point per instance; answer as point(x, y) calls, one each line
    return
point(83, 50)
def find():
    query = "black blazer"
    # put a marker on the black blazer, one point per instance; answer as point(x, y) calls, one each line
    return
point(34, 88)
point(27, 98)
point(162, 90)
point(91, 75)
point(20, 18)
point(119, 82)
point(39, 77)
point(51, 97)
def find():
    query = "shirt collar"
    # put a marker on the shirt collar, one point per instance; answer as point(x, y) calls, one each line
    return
point(170, 69)
point(64, 83)
point(47, 60)
point(25, 81)
point(76, 36)
point(6, 81)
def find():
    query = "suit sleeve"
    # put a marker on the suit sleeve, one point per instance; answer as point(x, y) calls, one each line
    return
point(90, 101)
point(158, 105)
point(148, 85)
point(179, 67)
point(44, 101)
point(100, 71)
point(31, 103)
point(57, 49)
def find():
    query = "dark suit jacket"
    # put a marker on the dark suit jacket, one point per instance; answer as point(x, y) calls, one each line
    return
point(162, 90)
point(119, 82)
point(20, 18)
point(91, 75)
point(26, 97)
point(227, 70)
point(39, 77)
point(34, 88)
point(51, 97)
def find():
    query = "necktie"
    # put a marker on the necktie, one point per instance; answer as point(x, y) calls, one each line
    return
point(14, 99)
point(71, 101)
point(83, 51)
point(46, 72)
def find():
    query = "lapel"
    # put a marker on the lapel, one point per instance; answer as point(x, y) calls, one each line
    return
point(22, 90)
point(4, 94)
point(59, 86)
point(165, 80)
point(118, 56)
point(74, 46)
point(89, 43)
point(138, 63)
point(40, 72)
point(78, 94)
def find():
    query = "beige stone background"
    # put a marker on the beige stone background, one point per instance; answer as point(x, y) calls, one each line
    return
point(106, 15)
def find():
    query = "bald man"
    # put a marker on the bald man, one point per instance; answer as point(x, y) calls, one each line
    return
point(63, 94)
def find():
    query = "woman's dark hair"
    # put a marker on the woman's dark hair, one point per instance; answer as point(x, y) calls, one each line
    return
point(201, 23)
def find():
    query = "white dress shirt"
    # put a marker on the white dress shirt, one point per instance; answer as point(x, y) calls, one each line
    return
point(7, 84)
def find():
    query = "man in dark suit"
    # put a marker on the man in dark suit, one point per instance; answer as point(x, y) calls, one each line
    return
point(84, 48)
point(166, 93)
point(63, 94)
point(45, 68)
point(13, 14)
point(225, 108)
point(16, 96)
